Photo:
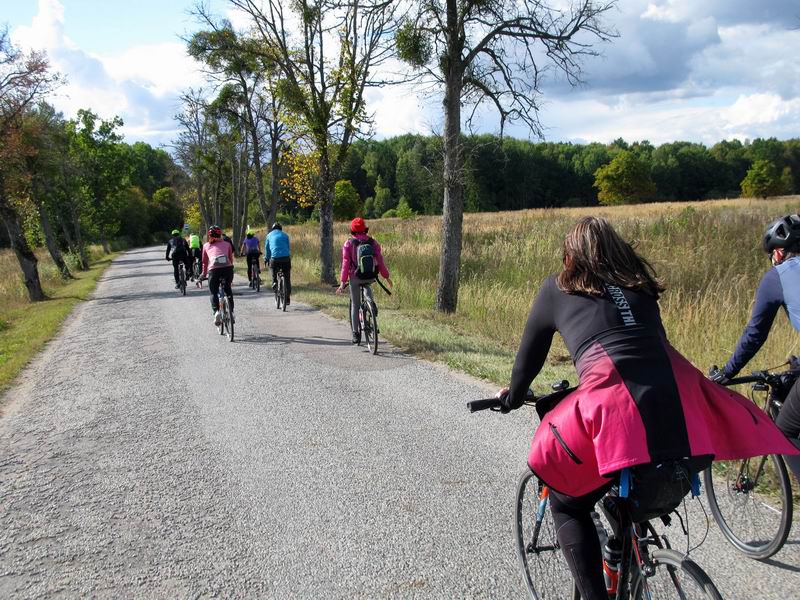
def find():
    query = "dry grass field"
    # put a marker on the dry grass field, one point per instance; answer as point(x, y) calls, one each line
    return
point(707, 253)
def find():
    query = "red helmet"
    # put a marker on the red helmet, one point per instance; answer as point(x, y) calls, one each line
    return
point(358, 225)
point(214, 232)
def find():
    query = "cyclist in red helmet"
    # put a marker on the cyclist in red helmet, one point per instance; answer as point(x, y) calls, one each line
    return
point(218, 267)
point(362, 262)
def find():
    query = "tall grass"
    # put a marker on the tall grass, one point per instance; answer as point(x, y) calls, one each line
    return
point(708, 254)
point(24, 326)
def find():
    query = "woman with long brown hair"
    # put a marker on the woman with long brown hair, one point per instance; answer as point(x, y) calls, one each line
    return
point(639, 401)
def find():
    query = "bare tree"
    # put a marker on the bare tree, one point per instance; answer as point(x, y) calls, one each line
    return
point(493, 51)
point(24, 79)
point(327, 53)
point(237, 66)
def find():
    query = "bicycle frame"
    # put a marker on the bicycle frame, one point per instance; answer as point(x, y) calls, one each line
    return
point(632, 553)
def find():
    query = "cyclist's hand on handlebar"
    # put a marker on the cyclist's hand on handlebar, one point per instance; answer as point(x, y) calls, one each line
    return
point(717, 375)
point(340, 289)
point(502, 395)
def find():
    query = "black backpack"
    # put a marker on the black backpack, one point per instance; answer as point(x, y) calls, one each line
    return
point(366, 261)
point(658, 488)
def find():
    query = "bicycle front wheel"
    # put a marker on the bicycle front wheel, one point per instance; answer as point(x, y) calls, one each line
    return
point(544, 569)
point(751, 501)
point(370, 327)
point(674, 576)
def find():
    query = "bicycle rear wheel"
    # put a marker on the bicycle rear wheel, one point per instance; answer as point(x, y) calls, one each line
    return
point(370, 326)
point(282, 291)
point(751, 501)
point(183, 281)
point(544, 569)
point(675, 576)
point(223, 309)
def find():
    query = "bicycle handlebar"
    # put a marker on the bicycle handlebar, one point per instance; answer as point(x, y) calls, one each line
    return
point(488, 403)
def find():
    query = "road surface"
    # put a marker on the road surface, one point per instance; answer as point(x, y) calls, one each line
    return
point(143, 455)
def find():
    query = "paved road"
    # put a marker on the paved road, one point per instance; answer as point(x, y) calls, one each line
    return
point(145, 456)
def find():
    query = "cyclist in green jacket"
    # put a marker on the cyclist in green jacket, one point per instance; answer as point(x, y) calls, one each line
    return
point(196, 248)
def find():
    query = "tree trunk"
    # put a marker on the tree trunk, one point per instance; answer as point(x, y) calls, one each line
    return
point(326, 218)
point(259, 173)
point(76, 222)
point(52, 243)
point(104, 242)
point(25, 256)
point(453, 210)
point(201, 204)
point(275, 181)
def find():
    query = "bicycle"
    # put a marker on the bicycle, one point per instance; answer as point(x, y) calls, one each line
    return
point(197, 270)
point(182, 278)
point(751, 499)
point(255, 276)
point(280, 290)
point(226, 323)
point(367, 315)
point(648, 568)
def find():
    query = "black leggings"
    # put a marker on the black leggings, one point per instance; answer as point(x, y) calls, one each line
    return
point(788, 422)
point(216, 277)
point(579, 542)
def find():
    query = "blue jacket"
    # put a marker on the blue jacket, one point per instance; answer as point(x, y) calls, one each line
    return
point(780, 286)
point(276, 245)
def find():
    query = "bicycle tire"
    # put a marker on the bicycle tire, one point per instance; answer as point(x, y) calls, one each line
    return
point(741, 499)
point(223, 308)
point(258, 281)
point(182, 279)
point(370, 327)
point(278, 291)
point(674, 572)
point(282, 291)
point(539, 555)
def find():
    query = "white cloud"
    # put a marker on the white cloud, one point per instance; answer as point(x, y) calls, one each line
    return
point(141, 85)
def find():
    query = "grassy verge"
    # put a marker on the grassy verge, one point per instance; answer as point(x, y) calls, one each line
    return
point(26, 327)
point(707, 253)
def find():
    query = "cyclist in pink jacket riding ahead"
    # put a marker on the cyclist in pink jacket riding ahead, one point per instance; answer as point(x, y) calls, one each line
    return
point(218, 267)
point(639, 402)
point(362, 262)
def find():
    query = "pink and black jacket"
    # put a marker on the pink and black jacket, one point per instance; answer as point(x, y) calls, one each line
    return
point(638, 400)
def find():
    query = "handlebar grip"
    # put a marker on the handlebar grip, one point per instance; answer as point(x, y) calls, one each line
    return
point(477, 405)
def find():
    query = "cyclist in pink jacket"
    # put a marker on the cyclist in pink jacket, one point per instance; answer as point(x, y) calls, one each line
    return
point(362, 262)
point(218, 267)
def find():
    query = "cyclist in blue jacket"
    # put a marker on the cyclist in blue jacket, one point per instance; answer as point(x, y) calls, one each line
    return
point(780, 287)
point(277, 256)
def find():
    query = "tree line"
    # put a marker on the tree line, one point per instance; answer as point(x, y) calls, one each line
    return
point(404, 174)
point(68, 183)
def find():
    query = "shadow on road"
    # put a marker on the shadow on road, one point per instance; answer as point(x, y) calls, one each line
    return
point(137, 261)
point(280, 339)
point(781, 565)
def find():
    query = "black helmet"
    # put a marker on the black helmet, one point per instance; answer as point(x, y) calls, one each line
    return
point(783, 233)
point(275, 226)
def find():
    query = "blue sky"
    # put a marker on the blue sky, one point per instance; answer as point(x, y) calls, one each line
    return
point(681, 69)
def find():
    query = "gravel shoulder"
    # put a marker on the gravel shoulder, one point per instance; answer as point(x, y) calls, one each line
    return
point(142, 455)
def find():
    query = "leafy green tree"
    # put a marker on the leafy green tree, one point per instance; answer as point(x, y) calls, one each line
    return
point(165, 211)
point(625, 180)
point(404, 211)
point(100, 156)
point(328, 55)
point(134, 216)
point(787, 181)
point(369, 207)
point(346, 203)
point(24, 80)
point(383, 198)
point(762, 180)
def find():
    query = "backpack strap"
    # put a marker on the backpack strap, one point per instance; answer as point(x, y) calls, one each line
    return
point(695, 482)
point(624, 483)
